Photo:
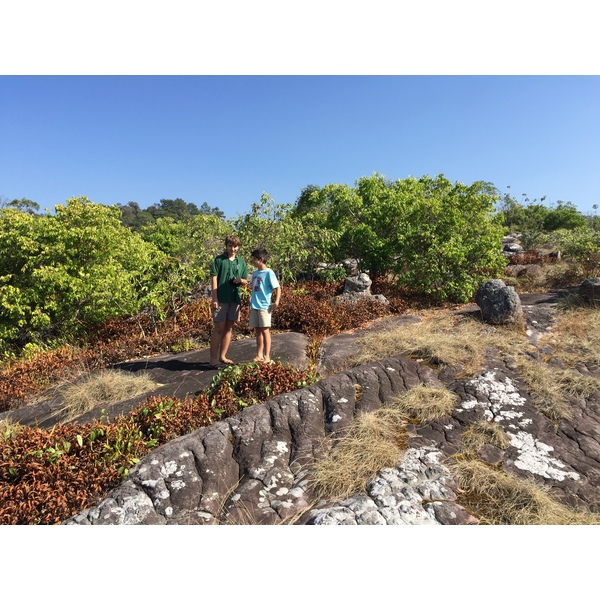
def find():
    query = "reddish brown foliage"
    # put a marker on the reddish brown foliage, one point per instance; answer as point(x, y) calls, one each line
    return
point(48, 476)
point(531, 257)
point(38, 486)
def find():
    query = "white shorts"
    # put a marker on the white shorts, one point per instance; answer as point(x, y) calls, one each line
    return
point(260, 318)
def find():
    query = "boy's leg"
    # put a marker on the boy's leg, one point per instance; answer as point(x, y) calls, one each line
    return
point(267, 343)
point(225, 340)
point(215, 342)
point(260, 344)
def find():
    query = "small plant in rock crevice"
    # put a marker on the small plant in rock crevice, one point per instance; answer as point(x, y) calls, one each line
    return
point(245, 384)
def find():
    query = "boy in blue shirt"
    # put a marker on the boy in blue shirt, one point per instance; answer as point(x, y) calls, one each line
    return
point(264, 282)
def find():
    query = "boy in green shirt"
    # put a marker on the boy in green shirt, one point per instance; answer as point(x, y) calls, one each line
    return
point(228, 272)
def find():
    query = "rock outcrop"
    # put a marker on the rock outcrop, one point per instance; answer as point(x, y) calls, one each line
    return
point(589, 291)
point(359, 288)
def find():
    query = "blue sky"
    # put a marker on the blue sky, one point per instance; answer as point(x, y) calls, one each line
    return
point(225, 140)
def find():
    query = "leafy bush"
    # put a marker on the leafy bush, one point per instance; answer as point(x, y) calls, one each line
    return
point(333, 274)
point(295, 246)
point(60, 274)
point(580, 247)
point(439, 238)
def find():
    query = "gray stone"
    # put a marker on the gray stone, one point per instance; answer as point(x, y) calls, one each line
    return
point(589, 290)
point(527, 271)
point(359, 288)
point(499, 303)
point(361, 284)
point(512, 248)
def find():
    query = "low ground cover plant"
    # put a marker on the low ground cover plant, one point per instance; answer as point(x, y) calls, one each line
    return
point(47, 476)
point(306, 307)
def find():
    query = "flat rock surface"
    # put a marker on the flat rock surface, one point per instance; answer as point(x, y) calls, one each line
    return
point(179, 375)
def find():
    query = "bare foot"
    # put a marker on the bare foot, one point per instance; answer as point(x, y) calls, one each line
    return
point(226, 361)
point(257, 359)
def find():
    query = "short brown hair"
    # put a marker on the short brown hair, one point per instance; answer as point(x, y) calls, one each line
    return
point(232, 239)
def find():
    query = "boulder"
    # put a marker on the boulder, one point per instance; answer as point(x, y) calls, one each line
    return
point(511, 239)
point(527, 271)
point(359, 288)
point(589, 290)
point(351, 266)
point(499, 303)
point(361, 284)
point(512, 248)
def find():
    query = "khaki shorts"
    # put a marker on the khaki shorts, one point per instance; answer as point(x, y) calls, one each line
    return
point(260, 318)
point(227, 311)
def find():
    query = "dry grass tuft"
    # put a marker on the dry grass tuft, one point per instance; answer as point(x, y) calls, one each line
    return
point(371, 442)
point(441, 338)
point(544, 386)
point(102, 388)
point(480, 433)
point(576, 335)
point(500, 498)
point(550, 388)
point(8, 429)
point(425, 403)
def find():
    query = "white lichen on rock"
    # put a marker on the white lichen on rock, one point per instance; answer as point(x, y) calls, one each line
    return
point(533, 455)
point(395, 496)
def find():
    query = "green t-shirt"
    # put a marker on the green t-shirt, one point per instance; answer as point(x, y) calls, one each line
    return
point(225, 270)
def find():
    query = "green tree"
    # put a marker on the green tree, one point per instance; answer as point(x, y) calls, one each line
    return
point(177, 209)
point(438, 238)
point(61, 273)
point(134, 217)
point(451, 240)
point(24, 205)
point(296, 245)
point(205, 209)
point(564, 216)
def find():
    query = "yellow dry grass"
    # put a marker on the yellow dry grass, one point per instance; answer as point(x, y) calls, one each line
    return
point(376, 440)
point(371, 442)
point(441, 338)
point(484, 432)
point(552, 388)
point(497, 497)
point(576, 335)
point(8, 429)
point(425, 403)
point(102, 388)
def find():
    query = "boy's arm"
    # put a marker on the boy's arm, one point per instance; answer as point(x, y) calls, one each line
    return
point(213, 285)
point(244, 275)
point(277, 292)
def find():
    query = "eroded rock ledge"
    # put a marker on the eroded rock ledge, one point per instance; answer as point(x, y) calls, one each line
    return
point(252, 468)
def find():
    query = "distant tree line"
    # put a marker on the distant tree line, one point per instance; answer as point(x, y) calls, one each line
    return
point(134, 217)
